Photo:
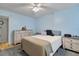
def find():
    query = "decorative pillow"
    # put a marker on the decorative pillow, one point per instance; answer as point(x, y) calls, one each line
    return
point(49, 32)
point(53, 32)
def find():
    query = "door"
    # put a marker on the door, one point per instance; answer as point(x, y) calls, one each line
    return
point(3, 29)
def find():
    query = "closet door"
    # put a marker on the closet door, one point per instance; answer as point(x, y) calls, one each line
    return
point(3, 29)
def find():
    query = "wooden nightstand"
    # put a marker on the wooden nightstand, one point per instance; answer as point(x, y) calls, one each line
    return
point(71, 43)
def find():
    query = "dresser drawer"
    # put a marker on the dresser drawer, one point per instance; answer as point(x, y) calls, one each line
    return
point(75, 47)
point(75, 41)
point(67, 45)
point(67, 40)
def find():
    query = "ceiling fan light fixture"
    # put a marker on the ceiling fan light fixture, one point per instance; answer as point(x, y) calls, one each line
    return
point(36, 9)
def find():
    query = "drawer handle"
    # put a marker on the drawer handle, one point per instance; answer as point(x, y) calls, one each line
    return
point(71, 47)
point(71, 44)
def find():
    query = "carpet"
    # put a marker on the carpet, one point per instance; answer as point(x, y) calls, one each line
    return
point(16, 51)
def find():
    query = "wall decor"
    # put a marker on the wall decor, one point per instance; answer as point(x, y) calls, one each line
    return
point(1, 22)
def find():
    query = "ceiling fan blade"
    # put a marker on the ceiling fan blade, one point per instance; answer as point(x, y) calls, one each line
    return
point(45, 7)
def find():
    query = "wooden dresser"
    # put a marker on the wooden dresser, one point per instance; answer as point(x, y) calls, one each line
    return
point(18, 35)
point(71, 43)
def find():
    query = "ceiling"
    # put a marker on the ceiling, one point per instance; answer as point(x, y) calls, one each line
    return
point(23, 8)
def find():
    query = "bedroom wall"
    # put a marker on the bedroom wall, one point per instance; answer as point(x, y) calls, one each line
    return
point(44, 23)
point(16, 21)
point(66, 21)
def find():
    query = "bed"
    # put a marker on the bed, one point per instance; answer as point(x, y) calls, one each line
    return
point(41, 45)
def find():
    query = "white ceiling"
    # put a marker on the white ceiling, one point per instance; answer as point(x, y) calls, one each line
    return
point(23, 8)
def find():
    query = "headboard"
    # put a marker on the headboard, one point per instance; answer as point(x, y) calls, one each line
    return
point(56, 32)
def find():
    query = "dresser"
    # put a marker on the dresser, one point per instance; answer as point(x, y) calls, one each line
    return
point(71, 44)
point(18, 35)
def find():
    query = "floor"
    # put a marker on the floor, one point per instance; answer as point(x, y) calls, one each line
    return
point(16, 51)
point(4, 45)
point(62, 52)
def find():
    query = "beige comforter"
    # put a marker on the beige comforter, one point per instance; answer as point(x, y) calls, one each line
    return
point(36, 47)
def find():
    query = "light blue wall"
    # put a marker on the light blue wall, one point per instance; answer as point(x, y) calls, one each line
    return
point(67, 21)
point(16, 21)
point(44, 23)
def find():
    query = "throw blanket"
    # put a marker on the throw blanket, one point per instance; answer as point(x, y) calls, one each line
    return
point(36, 47)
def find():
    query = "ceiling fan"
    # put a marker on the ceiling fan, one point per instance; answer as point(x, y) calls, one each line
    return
point(36, 7)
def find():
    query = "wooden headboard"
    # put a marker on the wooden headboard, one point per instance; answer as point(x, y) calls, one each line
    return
point(56, 32)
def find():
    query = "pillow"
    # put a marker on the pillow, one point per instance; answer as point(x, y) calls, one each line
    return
point(49, 32)
point(53, 32)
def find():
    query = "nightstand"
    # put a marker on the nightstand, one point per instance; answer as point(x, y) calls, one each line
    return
point(71, 43)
